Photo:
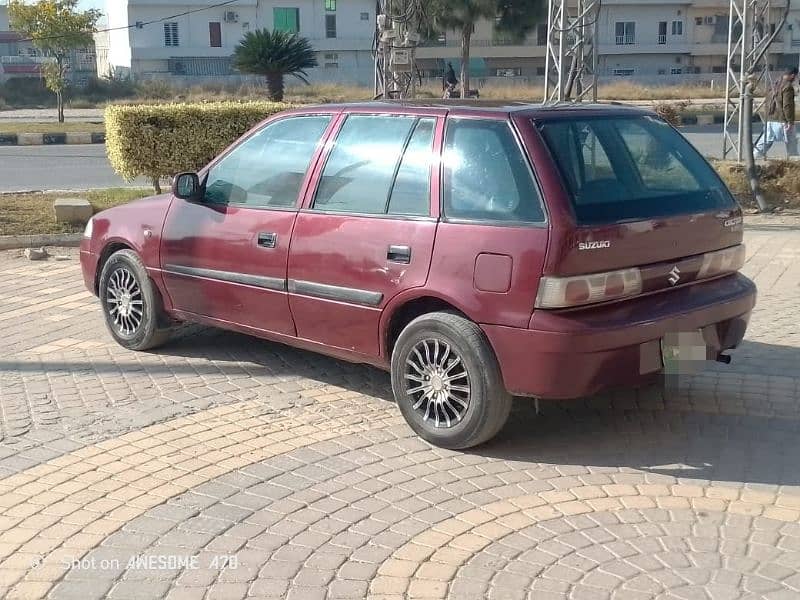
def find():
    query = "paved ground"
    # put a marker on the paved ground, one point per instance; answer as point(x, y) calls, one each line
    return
point(227, 467)
point(82, 167)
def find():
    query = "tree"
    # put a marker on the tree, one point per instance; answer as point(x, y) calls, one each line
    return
point(55, 27)
point(274, 54)
point(513, 17)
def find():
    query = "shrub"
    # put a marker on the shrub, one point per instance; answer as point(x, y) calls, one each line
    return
point(157, 141)
point(671, 111)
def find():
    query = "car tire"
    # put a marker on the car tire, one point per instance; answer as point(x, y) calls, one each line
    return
point(131, 303)
point(447, 382)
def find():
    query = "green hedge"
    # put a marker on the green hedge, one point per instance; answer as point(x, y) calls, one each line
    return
point(157, 141)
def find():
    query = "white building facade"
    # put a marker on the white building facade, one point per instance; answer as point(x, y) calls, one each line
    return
point(650, 41)
point(198, 44)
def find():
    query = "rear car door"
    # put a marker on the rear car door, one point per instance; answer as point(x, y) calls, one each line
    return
point(491, 243)
point(367, 233)
point(226, 257)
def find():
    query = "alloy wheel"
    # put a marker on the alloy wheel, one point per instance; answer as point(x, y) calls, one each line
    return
point(125, 302)
point(437, 383)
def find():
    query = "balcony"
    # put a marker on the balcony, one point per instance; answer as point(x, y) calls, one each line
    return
point(22, 65)
point(662, 38)
point(625, 40)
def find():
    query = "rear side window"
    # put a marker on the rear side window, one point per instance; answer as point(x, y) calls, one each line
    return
point(487, 178)
point(379, 165)
point(631, 168)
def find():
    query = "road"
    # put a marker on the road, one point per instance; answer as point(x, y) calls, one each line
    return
point(57, 168)
point(83, 167)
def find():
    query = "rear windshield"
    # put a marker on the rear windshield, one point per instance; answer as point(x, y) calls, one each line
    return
point(631, 168)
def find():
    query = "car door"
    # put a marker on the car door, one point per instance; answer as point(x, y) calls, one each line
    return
point(367, 232)
point(225, 257)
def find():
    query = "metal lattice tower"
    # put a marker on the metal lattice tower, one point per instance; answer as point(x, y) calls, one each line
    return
point(748, 31)
point(571, 55)
point(396, 40)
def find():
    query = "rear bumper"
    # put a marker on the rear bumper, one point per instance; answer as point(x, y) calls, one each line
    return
point(574, 354)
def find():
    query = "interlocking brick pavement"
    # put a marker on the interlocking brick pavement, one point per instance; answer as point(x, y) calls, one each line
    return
point(226, 467)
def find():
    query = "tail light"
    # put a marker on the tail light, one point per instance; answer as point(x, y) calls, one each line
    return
point(722, 261)
point(561, 292)
point(565, 292)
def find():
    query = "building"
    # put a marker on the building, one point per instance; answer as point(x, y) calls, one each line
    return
point(19, 58)
point(650, 41)
point(197, 46)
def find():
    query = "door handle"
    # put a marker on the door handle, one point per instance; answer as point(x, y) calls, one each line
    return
point(267, 240)
point(399, 254)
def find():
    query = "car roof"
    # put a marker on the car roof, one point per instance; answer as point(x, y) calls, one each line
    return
point(476, 107)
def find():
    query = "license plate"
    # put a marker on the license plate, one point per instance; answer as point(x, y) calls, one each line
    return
point(684, 352)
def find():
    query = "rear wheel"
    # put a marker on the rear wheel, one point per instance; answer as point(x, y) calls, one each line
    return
point(447, 382)
point(131, 303)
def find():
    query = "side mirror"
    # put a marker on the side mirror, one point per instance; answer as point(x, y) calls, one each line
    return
point(186, 186)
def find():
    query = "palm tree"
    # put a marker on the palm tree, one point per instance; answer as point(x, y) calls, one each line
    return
point(274, 54)
point(513, 17)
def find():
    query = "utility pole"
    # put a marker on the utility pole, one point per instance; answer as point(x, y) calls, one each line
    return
point(571, 54)
point(396, 40)
point(749, 37)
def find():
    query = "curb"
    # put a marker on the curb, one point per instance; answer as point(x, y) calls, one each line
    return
point(52, 139)
point(13, 242)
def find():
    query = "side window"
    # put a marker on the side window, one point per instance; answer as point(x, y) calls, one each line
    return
point(411, 193)
point(378, 165)
point(268, 168)
point(486, 176)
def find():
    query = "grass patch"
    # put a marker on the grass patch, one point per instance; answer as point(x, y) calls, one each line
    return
point(52, 127)
point(780, 182)
point(25, 214)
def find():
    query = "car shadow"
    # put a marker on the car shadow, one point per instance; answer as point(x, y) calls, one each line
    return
point(733, 423)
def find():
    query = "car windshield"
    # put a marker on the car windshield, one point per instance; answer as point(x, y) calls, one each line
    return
point(631, 168)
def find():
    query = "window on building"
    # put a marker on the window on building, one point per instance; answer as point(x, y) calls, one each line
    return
point(512, 72)
point(718, 69)
point(698, 20)
point(331, 60)
point(540, 71)
point(541, 34)
point(269, 167)
point(330, 26)
point(709, 20)
point(365, 16)
point(676, 71)
point(215, 34)
point(486, 176)
point(677, 28)
point(286, 19)
point(171, 34)
point(330, 5)
point(662, 32)
point(622, 72)
point(625, 33)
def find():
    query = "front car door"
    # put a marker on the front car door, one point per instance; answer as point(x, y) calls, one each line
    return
point(225, 257)
point(367, 232)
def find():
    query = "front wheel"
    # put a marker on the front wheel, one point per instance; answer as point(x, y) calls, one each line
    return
point(447, 382)
point(131, 303)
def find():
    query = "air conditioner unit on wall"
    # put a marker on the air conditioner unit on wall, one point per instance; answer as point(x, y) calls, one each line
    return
point(231, 16)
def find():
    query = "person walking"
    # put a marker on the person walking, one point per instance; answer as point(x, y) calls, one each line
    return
point(780, 117)
point(450, 81)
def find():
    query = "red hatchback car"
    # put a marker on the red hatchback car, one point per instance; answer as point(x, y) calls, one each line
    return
point(475, 251)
